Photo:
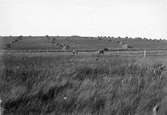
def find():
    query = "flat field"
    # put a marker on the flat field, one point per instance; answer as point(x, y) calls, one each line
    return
point(58, 83)
point(81, 43)
point(82, 85)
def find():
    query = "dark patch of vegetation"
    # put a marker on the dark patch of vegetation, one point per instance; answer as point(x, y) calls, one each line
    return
point(106, 49)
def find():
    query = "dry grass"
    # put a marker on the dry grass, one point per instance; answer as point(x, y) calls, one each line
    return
point(67, 85)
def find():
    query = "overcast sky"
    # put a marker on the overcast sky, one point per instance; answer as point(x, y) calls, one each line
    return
point(144, 18)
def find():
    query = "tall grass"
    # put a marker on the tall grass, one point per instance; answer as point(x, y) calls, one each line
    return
point(67, 85)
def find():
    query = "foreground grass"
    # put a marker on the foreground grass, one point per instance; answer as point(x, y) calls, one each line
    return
point(67, 85)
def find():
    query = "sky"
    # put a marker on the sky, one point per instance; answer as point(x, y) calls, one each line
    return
point(133, 18)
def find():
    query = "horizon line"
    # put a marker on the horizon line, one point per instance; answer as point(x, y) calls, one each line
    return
point(107, 36)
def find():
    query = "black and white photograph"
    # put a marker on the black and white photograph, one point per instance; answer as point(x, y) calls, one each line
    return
point(83, 57)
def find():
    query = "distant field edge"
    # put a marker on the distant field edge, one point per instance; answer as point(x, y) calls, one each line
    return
point(85, 50)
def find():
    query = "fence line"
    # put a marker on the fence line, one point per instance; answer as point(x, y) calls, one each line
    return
point(142, 53)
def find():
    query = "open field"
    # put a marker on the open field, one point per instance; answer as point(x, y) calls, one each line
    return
point(82, 85)
point(39, 77)
point(76, 42)
point(119, 52)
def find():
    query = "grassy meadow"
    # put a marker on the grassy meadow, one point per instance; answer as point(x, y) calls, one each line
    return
point(76, 42)
point(81, 85)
